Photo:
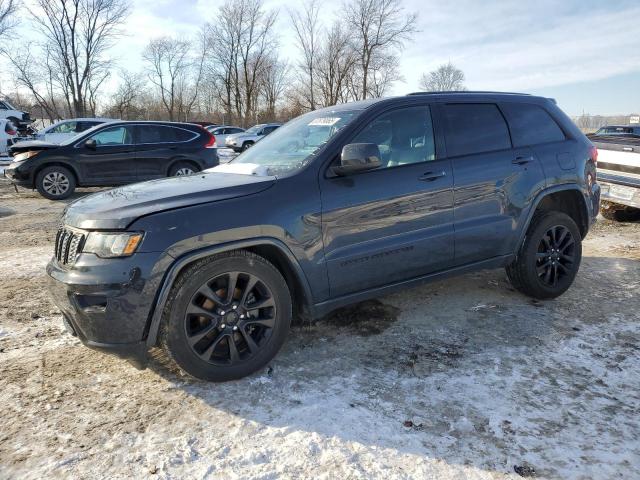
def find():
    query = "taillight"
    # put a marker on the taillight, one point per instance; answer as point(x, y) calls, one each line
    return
point(593, 153)
point(212, 140)
point(12, 132)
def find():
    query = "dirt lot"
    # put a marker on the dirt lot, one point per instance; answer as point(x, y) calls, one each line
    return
point(464, 378)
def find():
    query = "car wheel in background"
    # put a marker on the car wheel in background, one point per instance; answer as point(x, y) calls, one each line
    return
point(549, 258)
point(183, 168)
point(227, 316)
point(246, 145)
point(55, 182)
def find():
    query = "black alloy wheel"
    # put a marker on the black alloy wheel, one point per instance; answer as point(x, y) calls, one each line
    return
point(230, 318)
point(555, 256)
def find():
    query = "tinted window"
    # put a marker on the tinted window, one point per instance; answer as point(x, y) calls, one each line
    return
point(113, 136)
point(403, 136)
point(475, 128)
point(3, 106)
point(268, 130)
point(218, 131)
point(163, 134)
point(235, 130)
point(82, 126)
point(183, 135)
point(531, 124)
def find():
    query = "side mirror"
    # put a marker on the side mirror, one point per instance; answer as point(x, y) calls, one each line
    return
point(91, 144)
point(357, 157)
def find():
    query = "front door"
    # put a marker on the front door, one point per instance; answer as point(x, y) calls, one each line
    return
point(493, 180)
point(395, 222)
point(112, 161)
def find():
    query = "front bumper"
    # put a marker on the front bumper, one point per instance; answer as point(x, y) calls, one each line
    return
point(107, 303)
point(17, 176)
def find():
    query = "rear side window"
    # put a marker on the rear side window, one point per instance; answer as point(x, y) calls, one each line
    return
point(475, 128)
point(163, 134)
point(531, 124)
point(181, 135)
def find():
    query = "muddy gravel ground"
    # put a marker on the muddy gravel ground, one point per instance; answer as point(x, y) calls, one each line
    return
point(464, 378)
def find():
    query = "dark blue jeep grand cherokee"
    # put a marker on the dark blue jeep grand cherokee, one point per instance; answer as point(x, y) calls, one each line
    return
point(338, 205)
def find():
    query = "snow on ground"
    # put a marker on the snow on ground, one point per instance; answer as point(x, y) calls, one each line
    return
point(463, 378)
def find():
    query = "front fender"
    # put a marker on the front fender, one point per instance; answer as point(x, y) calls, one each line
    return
point(155, 317)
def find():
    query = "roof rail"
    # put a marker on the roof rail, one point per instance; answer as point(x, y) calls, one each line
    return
point(466, 91)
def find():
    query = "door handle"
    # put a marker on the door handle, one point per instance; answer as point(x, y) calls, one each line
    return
point(431, 176)
point(520, 160)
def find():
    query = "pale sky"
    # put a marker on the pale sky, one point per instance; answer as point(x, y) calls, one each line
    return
point(584, 53)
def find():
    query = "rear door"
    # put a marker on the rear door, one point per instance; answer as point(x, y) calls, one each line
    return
point(112, 162)
point(158, 147)
point(395, 222)
point(493, 180)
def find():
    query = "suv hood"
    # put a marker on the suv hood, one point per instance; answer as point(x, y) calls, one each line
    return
point(118, 208)
point(32, 145)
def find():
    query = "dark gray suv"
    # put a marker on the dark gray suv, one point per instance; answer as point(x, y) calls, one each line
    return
point(338, 205)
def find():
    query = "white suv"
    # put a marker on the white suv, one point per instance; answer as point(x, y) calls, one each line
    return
point(19, 118)
point(65, 129)
point(241, 141)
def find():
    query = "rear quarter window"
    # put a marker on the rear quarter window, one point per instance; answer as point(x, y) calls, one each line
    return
point(531, 124)
point(475, 128)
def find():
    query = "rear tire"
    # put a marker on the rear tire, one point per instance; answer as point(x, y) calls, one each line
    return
point(55, 182)
point(549, 258)
point(183, 168)
point(217, 334)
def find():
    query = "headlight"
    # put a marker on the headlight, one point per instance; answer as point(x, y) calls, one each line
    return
point(111, 245)
point(25, 155)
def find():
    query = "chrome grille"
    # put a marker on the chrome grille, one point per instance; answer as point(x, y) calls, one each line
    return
point(69, 244)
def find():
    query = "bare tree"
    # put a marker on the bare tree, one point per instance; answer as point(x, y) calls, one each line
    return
point(274, 83)
point(378, 27)
point(125, 101)
point(242, 44)
point(307, 32)
point(176, 73)
point(8, 10)
point(77, 34)
point(336, 64)
point(446, 78)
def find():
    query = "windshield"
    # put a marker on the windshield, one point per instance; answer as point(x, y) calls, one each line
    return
point(253, 130)
point(292, 146)
point(75, 138)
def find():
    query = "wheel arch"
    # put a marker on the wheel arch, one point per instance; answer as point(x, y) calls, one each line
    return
point(39, 168)
point(567, 199)
point(176, 161)
point(271, 249)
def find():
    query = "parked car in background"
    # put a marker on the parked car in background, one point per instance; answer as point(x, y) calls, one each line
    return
point(239, 142)
point(339, 205)
point(8, 134)
point(619, 176)
point(110, 154)
point(221, 132)
point(20, 119)
point(621, 130)
point(65, 129)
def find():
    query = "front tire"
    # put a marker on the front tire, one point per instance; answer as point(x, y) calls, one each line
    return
point(227, 316)
point(246, 146)
point(549, 258)
point(55, 182)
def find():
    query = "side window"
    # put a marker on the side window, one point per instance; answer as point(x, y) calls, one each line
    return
point(403, 136)
point(113, 136)
point(82, 126)
point(181, 135)
point(155, 134)
point(219, 131)
point(474, 128)
point(268, 130)
point(236, 130)
point(66, 127)
point(531, 124)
